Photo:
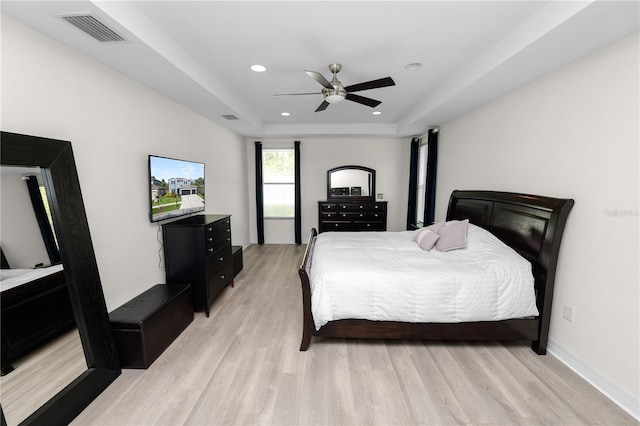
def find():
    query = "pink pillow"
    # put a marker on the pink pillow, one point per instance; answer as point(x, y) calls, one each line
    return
point(426, 238)
point(453, 235)
point(435, 227)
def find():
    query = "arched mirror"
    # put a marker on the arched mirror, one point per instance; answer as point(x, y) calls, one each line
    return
point(57, 170)
point(351, 183)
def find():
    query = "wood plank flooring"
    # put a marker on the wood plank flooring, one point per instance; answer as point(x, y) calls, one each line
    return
point(242, 366)
point(40, 375)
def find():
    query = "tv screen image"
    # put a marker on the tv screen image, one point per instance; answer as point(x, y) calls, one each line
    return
point(176, 187)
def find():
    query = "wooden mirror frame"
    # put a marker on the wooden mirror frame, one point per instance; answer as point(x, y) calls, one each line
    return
point(55, 158)
point(371, 172)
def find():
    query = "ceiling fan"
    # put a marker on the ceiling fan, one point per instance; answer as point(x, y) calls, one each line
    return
point(333, 91)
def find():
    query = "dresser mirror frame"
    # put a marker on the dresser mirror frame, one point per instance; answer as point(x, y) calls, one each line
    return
point(56, 161)
point(360, 174)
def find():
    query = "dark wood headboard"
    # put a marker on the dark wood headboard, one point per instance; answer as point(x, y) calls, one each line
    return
point(530, 224)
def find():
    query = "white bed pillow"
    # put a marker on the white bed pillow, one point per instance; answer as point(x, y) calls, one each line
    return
point(453, 235)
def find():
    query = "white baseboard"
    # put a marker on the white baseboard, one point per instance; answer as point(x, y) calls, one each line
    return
point(624, 399)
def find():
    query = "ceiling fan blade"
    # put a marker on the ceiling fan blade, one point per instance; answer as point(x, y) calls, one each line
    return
point(362, 100)
point(297, 94)
point(373, 84)
point(322, 106)
point(319, 78)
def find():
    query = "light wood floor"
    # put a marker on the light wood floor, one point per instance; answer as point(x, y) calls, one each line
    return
point(40, 375)
point(242, 366)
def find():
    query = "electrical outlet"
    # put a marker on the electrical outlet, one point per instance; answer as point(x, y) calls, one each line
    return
point(568, 312)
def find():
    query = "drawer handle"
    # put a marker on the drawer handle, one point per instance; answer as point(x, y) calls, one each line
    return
point(209, 229)
point(336, 225)
point(210, 239)
point(361, 215)
point(210, 250)
point(228, 230)
point(361, 207)
point(228, 238)
point(221, 259)
point(222, 277)
point(368, 225)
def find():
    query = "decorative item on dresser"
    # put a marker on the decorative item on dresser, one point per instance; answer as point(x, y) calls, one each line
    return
point(350, 204)
point(352, 216)
point(197, 251)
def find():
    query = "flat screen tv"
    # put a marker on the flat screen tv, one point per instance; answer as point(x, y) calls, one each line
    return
point(176, 188)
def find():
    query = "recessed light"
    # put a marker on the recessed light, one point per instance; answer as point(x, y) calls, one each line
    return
point(413, 66)
point(376, 113)
point(285, 114)
point(258, 68)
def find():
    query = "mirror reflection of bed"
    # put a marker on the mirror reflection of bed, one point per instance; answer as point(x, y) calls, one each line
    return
point(41, 347)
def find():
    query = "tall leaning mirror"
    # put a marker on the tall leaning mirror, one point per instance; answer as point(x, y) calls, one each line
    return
point(56, 165)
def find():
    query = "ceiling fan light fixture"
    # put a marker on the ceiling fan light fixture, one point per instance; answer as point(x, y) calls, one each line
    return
point(338, 94)
point(334, 98)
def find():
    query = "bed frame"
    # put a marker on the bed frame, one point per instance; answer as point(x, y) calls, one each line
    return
point(530, 224)
point(32, 314)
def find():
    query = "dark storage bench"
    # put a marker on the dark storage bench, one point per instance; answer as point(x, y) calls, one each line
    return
point(146, 325)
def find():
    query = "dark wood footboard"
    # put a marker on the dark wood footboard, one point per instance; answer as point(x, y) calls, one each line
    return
point(304, 271)
point(532, 225)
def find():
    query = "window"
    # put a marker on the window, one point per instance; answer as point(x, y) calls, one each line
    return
point(422, 182)
point(278, 180)
point(47, 209)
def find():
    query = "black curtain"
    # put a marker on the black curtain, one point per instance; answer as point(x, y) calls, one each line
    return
point(259, 194)
point(43, 222)
point(298, 201)
point(432, 163)
point(413, 183)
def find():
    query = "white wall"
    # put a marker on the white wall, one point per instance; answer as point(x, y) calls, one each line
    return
point(20, 235)
point(388, 156)
point(574, 134)
point(113, 124)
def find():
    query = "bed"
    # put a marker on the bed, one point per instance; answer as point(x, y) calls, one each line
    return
point(35, 307)
point(530, 225)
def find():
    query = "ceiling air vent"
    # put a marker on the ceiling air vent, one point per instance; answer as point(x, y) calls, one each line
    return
point(90, 25)
point(229, 117)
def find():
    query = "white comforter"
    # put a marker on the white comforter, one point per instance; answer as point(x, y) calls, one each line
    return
point(385, 276)
point(10, 278)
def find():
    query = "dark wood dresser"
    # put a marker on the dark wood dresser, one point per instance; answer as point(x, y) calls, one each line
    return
point(197, 251)
point(352, 215)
